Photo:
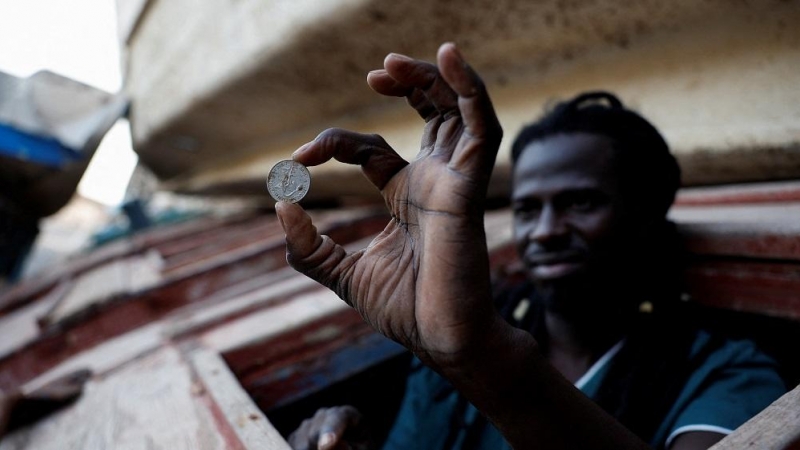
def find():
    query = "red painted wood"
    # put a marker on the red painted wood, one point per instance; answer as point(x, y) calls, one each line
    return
point(781, 192)
point(215, 241)
point(760, 287)
point(222, 423)
point(29, 290)
point(251, 362)
point(129, 312)
point(293, 365)
point(759, 241)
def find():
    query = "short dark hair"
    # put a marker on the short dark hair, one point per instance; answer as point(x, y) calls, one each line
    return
point(650, 173)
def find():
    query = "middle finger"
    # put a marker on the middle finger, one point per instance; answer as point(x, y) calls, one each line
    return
point(425, 77)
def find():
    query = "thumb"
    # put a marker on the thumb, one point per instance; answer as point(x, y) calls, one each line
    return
point(315, 256)
point(302, 237)
point(337, 422)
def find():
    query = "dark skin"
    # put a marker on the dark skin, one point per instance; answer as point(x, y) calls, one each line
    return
point(424, 281)
point(336, 428)
point(570, 223)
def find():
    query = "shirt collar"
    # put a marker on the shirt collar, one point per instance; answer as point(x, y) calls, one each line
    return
point(599, 364)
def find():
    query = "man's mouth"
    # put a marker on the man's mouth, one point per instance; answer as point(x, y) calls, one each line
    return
point(549, 266)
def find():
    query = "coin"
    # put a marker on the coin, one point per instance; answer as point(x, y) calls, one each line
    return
point(288, 181)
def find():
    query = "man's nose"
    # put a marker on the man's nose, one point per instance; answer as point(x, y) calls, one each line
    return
point(549, 227)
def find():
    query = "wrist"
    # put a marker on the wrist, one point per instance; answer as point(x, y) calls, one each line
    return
point(500, 356)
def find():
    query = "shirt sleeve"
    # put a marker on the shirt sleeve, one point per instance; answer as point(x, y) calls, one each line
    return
point(735, 384)
point(425, 412)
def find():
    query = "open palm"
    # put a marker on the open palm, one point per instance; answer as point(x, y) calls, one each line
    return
point(424, 281)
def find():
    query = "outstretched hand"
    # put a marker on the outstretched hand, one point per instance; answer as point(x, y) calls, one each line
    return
point(423, 281)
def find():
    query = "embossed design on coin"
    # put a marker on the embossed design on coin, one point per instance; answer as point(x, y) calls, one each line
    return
point(288, 181)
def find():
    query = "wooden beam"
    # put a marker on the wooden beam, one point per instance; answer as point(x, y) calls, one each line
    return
point(756, 240)
point(775, 428)
point(197, 282)
point(303, 360)
point(151, 402)
point(29, 290)
point(778, 192)
point(767, 288)
point(234, 408)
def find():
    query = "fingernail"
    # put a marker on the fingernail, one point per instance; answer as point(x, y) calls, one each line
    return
point(326, 441)
point(299, 150)
point(459, 55)
point(456, 51)
point(399, 56)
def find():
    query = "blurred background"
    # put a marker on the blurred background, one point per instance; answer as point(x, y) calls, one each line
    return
point(136, 137)
point(215, 95)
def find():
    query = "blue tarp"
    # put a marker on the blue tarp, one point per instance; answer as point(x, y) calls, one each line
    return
point(40, 150)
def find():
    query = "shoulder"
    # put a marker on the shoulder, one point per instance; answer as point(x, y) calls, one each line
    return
point(733, 366)
point(725, 352)
point(732, 381)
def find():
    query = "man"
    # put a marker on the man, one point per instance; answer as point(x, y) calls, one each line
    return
point(585, 211)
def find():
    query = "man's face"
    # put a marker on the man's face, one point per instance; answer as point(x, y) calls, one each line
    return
point(570, 224)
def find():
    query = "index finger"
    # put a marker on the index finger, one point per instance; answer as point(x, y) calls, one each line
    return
point(377, 159)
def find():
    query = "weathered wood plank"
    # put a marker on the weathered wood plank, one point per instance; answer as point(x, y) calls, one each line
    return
point(237, 410)
point(22, 326)
point(298, 380)
point(262, 325)
point(57, 345)
point(150, 404)
point(207, 244)
point(102, 284)
point(30, 289)
point(121, 315)
point(771, 289)
point(309, 358)
point(246, 297)
point(285, 283)
point(775, 428)
point(777, 192)
point(764, 240)
point(771, 213)
point(107, 356)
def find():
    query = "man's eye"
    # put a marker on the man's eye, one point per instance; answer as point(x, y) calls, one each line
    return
point(527, 211)
point(526, 215)
point(582, 203)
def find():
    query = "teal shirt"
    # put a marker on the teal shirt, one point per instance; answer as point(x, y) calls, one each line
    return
point(735, 382)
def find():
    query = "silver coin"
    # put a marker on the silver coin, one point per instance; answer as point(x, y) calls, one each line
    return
point(288, 181)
